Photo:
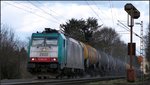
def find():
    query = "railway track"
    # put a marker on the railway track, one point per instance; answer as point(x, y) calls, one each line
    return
point(58, 81)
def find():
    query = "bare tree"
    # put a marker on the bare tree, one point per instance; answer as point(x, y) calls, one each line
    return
point(10, 54)
point(108, 40)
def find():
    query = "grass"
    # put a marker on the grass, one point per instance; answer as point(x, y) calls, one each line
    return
point(117, 82)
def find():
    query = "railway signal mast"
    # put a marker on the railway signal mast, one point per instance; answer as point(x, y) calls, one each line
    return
point(134, 14)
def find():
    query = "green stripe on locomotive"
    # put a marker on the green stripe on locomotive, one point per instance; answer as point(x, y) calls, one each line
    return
point(62, 49)
point(61, 44)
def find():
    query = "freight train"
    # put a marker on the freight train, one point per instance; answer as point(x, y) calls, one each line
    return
point(53, 53)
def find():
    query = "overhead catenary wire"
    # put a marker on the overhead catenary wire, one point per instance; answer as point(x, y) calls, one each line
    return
point(32, 5)
point(129, 29)
point(30, 9)
point(23, 5)
point(116, 15)
point(43, 10)
point(111, 13)
point(127, 33)
point(115, 12)
point(30, 12)
point(100, 9)
point(94, 11)
point(48, 8)
point(51, 10)
point(125, 27)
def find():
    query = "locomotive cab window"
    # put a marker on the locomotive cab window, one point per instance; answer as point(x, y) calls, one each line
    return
point(51, 41)
point(37, 41)
point(44, 41)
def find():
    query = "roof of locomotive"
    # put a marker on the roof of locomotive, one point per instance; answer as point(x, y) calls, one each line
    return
point(46, 33)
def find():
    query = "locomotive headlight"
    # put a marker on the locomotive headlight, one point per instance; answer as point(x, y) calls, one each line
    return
point(54, 59)
point(32, 59)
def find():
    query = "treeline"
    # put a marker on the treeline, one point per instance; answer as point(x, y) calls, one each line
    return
point(13, 56)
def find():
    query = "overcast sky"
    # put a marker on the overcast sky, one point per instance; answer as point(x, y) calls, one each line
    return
point(26, 17)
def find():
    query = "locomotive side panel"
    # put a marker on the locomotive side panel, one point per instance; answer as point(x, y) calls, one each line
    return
point(75, 58)
point(62, 51)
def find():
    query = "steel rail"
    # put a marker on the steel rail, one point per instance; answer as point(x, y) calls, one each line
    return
point(63, 81)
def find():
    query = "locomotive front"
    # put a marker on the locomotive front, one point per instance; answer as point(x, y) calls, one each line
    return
point(43, 53)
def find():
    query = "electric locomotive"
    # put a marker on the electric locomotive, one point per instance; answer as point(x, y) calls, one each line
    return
point(51, 52)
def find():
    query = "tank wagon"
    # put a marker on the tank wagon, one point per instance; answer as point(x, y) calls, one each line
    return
point(53, 53)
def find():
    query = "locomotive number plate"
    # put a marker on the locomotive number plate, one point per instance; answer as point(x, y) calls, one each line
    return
point(43, 54)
